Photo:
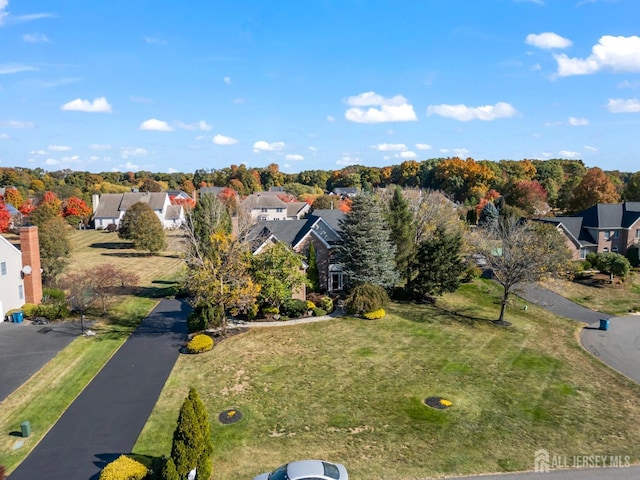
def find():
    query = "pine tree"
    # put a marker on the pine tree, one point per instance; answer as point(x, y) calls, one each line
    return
point(400, 220)
point(367, 253)
point(191, 446)
point(312, 271)
point(439, 264)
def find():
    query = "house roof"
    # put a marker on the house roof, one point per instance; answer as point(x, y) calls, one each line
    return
point(173, 212)
point(331, 216)
point(111, 204)
point(261, 200)
point(294, 208)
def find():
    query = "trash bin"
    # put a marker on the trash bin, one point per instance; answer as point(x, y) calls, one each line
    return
point(604, 324)
point(25, 428)
point(17, 317)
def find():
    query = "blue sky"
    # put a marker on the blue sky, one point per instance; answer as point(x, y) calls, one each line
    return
point(317, 84)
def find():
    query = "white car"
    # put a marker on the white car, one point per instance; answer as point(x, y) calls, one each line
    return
point(307, 470)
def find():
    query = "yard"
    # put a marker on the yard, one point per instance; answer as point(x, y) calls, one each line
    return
point(352, 391)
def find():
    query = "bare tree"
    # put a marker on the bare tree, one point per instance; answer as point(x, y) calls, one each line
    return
point(519, 252)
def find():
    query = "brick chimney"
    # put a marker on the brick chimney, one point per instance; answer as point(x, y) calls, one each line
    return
point(32, 277)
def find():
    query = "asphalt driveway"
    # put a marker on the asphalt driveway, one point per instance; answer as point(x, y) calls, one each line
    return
point(108, 416)
point(26, 348)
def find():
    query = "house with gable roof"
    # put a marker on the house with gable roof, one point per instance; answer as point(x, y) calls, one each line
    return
point(265, 206)
point(600, 228)
point(322, 228)
point(109, 208)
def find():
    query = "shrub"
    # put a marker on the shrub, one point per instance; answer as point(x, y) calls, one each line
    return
point(326, 303)
point(112, 227)
point(30, 310)
point(318, 312)
point(375, 314)
point(310, 305)
point(294, 307)
point(200, 343)
point(52, 311)
point(592, 258)
point(366, 298)
point(204, 316)
point(53, 295)
point(472, 272)
point(124, 468)
point(633, 255)
point(73, 220)
point(270, 311)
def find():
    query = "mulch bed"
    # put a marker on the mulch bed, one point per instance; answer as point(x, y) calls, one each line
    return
point(437, 402)
point(230, 416)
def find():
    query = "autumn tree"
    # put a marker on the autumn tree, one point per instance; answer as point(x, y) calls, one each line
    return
point(110, 281)
point(528, 195)
point(143, 227)
point(12, 196)
point(55, 248)
point(520, 252)
point(595, 187)
point(278, 270)
point(191, 448)
point(367, 253)
point(76, 210)
point(464, 179)
point(43, 213)
point(5, 218)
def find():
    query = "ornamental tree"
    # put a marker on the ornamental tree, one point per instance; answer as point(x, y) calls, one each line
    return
point(76, 207)
point(614, 264)
point(142, 226)
point(5, 218)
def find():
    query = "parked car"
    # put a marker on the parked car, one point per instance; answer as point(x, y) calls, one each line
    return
point(307, 470)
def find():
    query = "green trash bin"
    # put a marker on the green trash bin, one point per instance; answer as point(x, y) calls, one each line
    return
point(25, 428)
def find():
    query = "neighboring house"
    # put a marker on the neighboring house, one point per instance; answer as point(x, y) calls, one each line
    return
point(345, 192)
point(20, 272)
point(601, 228)
point(322, 228)
point(109, 208)
point(266, 206)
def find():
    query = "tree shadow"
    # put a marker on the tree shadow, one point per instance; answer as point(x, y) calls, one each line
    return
point(112, 245)
point(432, 313)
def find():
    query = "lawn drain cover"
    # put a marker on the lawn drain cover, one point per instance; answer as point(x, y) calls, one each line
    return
point(230, 416)
point(438, 402)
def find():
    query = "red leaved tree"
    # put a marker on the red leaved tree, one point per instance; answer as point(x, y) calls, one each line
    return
point(77, 207)
point(5, 218)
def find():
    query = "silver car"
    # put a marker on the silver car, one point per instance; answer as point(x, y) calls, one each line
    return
point(307, 470)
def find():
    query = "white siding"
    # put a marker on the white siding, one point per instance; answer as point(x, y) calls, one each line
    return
point(11, 284)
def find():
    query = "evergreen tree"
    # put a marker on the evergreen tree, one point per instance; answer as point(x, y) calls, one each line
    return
point(142, 226)
point(439, 264)
point(488, 216)
point(400, 220)
point(191, 447)
point(208, 217)
point(55, 248)
point(367, 253)
point(312, 271)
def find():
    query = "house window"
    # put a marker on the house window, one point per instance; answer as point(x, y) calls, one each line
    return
point(616, 234)
point(21, 291)
point(614, 249)
point(279, 210)
point(638, 234)
point(583, 253)
point(605, 250)
point(263, 210)
point(336, 278)
point(607, 235)
point(3, 268)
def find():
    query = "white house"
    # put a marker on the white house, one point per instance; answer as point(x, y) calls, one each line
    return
point(20, 272)
point(265, 206)
point(109, 208)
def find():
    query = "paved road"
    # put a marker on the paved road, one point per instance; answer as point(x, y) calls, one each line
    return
point(107, 417)
point(26, 348)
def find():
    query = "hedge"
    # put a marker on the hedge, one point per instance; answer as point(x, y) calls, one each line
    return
point(124, 468)
point(200, 343)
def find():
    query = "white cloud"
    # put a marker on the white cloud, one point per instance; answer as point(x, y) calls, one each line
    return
point(224, 140)
point(35, 38)
point(390, 147)
point(127, 152)
point(330, 118)
point(461, 152)
point(444, 150)
point(381, 110)
point(591, 149)
point(578, 122)
point(227, 80)
point(100, 146)
point(3, 13)
point(155, 41)
point(313, 149)
point(17, 124)
point(60, 148)
point(26, 18)
point(569, 154)
point(618, 54)
point(348, 160)
point(156, 125)
point(4, 136)
point(262, 146)
point(52, 162)
point(547, 40)
point(99, 105)
point(8, 68)
point(628, 84)
point(423, 146)
point(464, 113)
point(201, 125)
point(294, 157)
point(622, 105)
point(38, 152)
point(407, 155)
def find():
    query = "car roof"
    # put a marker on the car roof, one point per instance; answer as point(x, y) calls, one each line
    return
point(308, 468)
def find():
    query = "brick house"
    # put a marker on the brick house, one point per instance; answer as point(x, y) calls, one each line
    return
point(600, 228)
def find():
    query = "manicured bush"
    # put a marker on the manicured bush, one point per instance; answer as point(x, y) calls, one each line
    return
point(124, 468)
point(366, 298)
point(203, 317)
point(319, 312)
point(112, 227)
point(29, 310)
point(294, 307)
point(53, 311)
point(375, 314)
point(270, 311)
point(310, 305)
point(53, 295)
point(200, 343)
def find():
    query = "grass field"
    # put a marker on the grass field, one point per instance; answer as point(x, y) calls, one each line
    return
point(352, 391)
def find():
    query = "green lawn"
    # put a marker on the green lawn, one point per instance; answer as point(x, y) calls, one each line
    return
point(352, 391)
